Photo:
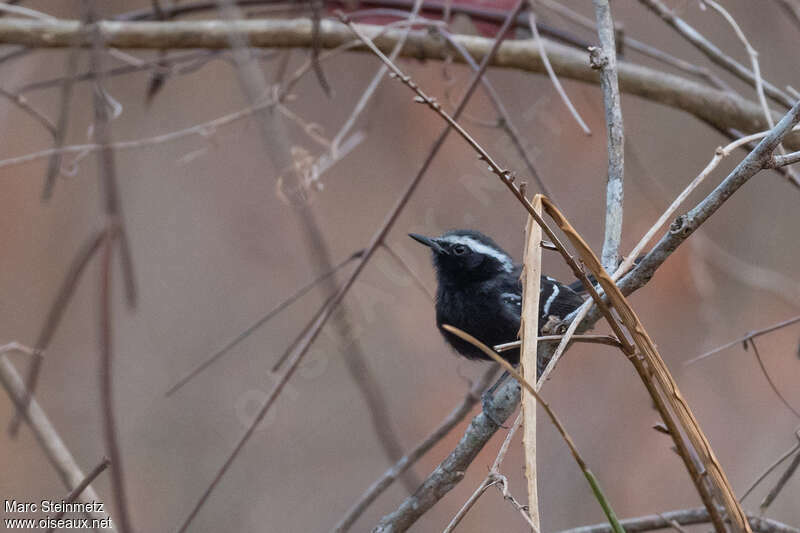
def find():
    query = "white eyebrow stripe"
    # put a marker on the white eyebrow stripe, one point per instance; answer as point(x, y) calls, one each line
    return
point(485, 249)
point(550, 300)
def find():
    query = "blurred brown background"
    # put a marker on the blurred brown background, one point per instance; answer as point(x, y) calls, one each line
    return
point(215, 247)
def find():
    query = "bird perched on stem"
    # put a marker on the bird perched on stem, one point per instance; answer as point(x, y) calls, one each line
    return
point(480, 292)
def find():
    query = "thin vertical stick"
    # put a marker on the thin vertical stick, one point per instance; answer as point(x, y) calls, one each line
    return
point(54, 163)
point(605, 60)
point(551, 73)
point(529, 326)
point(107, 385)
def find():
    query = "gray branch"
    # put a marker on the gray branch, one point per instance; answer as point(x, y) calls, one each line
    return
point(687, 223)
point(684, 517)
point(388, 477)
point(451, 471)
point(46, 434)
point(711, 51)
point(717, 108)
point(604, 59)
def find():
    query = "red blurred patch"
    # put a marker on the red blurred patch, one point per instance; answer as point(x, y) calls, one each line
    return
point(487, 15)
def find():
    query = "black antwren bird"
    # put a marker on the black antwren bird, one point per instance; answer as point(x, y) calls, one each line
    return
point(480, 292)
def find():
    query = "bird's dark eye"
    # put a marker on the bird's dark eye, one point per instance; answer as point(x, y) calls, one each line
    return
point(459, 249)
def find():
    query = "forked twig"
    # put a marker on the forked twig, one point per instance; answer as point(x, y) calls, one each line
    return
point(74, 493)
point(740, 340)
point(388, 477)
point(52, 321)
point(759, 82)
point(772, 384)
point(494, 478)
point(594, 484)
point(773, 493)
point(794, 449)
point(713, 52)
point(299, 293)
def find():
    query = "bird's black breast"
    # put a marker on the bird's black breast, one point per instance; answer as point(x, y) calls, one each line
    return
point(490, 311)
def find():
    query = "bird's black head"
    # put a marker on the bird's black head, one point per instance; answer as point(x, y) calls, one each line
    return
point(464, 256)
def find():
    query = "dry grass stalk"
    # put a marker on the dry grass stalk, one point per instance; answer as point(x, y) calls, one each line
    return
point(590, 477)
point(708, 476)
point(529, 325)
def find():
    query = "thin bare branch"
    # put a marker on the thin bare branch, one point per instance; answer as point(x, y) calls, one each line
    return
point(751, 335)
point(686, 224)
point(488, 481)
point(605, 60)
point(388, 477)
point(76, 492)
point(106, 377)
point(553, 78)
point(60, 133)
point(684, 517)
point(719, 108)
point(711, 51)
point(773, 493)
point(608, 340)
point(299, 293)
point(795, 448)
point(366, 96)
point(640, 47)
point(22, 103)
point(783, 160)
point(114, 234)
point(485, 484)
point(410, 271)
point(52, 320)
point(276, 366)
point(594, 484)
point(22, 11)
point(759, 82)
point(772, 384)
point(106, 166)
point(506, 122)
point(46, 434)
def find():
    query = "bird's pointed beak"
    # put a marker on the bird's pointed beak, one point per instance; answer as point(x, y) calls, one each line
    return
point(427, 241)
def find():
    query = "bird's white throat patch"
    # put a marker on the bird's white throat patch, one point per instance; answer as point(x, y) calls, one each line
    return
point(481, 248)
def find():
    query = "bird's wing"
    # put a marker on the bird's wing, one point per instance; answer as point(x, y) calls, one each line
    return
point(556, 299)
